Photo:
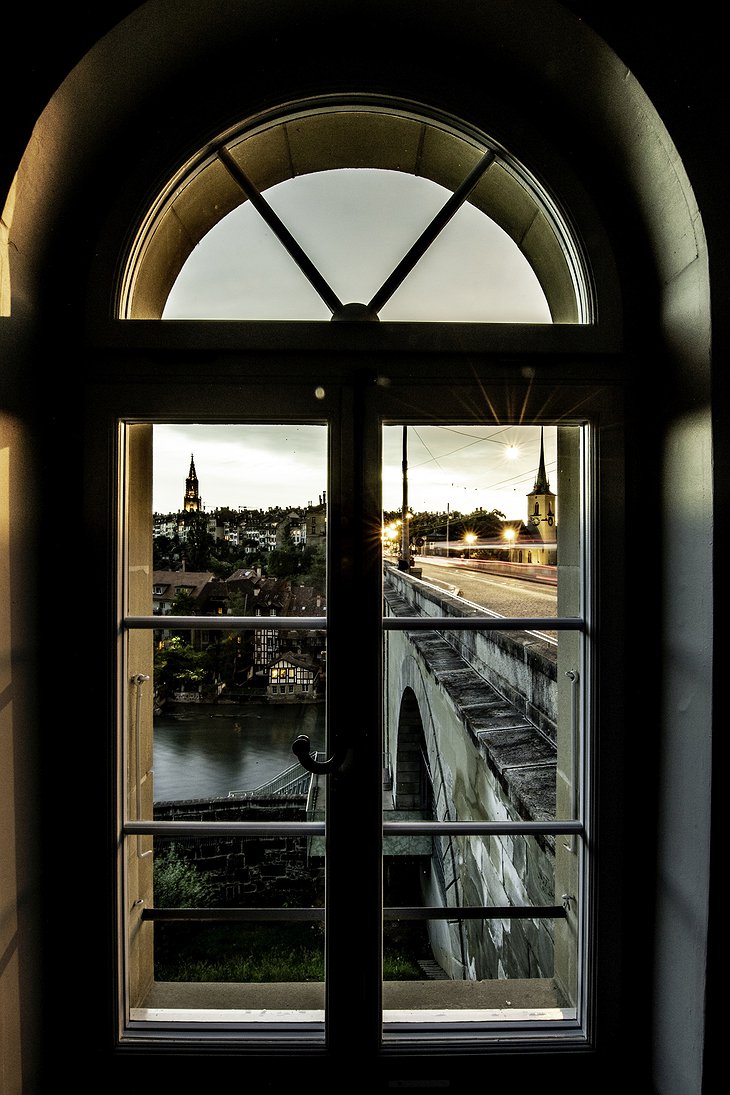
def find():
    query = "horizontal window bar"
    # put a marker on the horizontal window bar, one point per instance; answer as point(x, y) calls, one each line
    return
point(476, 912)
point(206, 828)
point(481, 828)
point(227, 623)
point(405, 912)
point(198, 340)
point(317, 828)
point(390, 623)
point(233, 915)
point(483, 623)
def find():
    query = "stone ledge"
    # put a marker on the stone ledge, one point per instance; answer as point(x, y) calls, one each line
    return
point(523, 760)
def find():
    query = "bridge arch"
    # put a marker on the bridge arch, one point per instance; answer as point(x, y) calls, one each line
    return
point(449, 763)
point(414, 752)
point(412, 788)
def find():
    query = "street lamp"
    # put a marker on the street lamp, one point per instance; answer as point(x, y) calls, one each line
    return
point(391, 533)
point(469, 539)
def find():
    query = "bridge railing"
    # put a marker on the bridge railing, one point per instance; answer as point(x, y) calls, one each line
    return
point(294, 780)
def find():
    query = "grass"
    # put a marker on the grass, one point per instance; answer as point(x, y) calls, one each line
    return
point(256, 953)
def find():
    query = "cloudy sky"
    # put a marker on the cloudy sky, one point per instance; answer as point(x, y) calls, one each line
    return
point(355, 226)
point(473, 272)
point(254, 467)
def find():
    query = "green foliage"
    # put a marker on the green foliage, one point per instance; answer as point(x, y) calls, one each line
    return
point(179, 884)
point(314, 565)
point(198, 542)
point(285, 562)
point(222, 568)
point(254, 953)
point(238, 603)
point(165, 552)
point(271, 952)
point(183, 603)
point(178, 667)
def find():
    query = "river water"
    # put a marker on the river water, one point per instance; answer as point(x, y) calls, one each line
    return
point(205, 751)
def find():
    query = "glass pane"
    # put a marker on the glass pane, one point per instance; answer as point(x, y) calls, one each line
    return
point(480, 724)
point(236, 534)
point(472, 272)
point(212, 948)
point(471, 965)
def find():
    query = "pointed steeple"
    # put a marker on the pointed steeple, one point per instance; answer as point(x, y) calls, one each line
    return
point(192, 502)
point(541, 503)
point(542, 486)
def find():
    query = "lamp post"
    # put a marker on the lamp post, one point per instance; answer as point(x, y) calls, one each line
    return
point(469, 539)
point(405, 542)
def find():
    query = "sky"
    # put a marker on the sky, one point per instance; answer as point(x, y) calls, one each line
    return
point(472, 272)
point(239, 270)
point(454, 468)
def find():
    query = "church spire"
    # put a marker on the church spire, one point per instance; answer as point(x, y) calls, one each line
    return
point(192, 502)
point(542, 486)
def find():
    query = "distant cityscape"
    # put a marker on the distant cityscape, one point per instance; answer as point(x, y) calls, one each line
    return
point(191, 536)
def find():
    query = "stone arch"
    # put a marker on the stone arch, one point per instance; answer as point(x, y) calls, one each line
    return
point(412, 789)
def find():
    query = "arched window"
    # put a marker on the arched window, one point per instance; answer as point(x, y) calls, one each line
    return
point(455, 281)
point(376, 205)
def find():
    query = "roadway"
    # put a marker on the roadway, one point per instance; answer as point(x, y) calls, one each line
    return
point(502, 595)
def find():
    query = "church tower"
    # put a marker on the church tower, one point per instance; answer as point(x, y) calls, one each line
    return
point(541, 512)
point(192, 502)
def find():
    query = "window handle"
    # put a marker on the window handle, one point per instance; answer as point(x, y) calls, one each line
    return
point(138, 680)
point(300, 748)
point(572, 676)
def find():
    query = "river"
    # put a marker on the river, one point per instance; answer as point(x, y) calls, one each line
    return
point(205, 751)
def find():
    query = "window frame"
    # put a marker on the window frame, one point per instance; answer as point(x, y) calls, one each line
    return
point(154, 349)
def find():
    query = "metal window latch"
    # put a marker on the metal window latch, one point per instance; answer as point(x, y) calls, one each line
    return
point(567, 899)
point(138, 680)
point(300, 748)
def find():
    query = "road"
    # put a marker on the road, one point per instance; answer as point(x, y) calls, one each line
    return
point(505, 596)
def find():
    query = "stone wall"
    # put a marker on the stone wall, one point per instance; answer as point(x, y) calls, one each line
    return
point(487, 761)
point(521, 667)
point(250, 870)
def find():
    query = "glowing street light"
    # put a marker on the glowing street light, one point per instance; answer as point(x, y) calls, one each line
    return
point(469, 539)
point(391, 533)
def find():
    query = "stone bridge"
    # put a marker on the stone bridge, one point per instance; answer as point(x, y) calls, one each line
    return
point(470, 735)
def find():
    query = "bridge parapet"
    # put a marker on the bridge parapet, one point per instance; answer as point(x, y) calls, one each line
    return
point(486, 761)
point(521, 666)
point(520, 754)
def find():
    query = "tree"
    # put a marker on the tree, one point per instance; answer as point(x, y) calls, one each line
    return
point(178, 667)
point(183, 603)
point(316, 568)
point(198, 542)
point(165, 552)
